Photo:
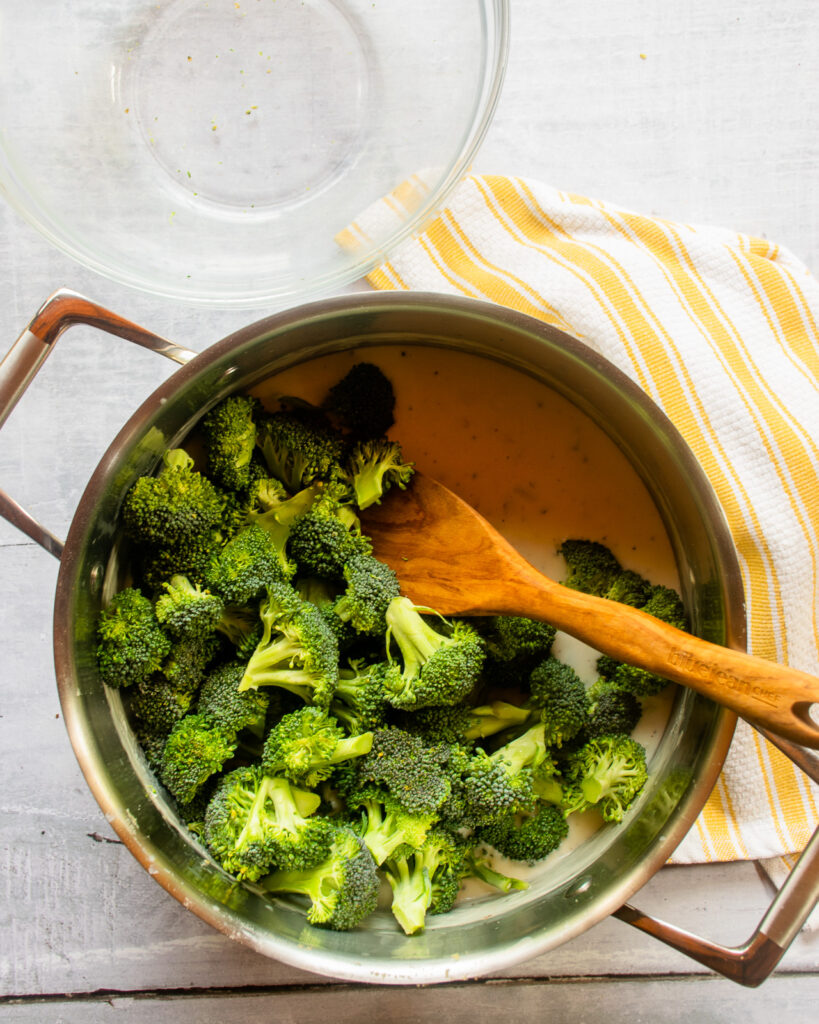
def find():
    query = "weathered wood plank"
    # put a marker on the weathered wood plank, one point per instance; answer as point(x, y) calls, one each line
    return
point(671, 1000)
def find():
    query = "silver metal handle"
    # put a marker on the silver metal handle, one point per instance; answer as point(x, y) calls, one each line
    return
point(752, 962)
point(26, 356)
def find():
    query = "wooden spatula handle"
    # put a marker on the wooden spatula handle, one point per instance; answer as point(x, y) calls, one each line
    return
point(772, 695)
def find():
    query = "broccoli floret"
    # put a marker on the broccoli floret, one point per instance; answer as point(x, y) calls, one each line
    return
point(343, 888)
point(187, 662)
point(374, 467)
point(297, 652)
point(629, 588)
point(186, 610)
point(413, 875)
point(611, 710)
point(360, 700)
point(255, 823)
point(528, 837)
point(157, 706)
point(415, 774)
point(606, 773)
point(233, 711)
point(307, 744)
point(665, 604)
point(592, 567)
point(371, 585)
point(243, 628)
point(517, 641)
point(194, 751)
point(386, 826)
point(230, 440)
point(247, 566)
point(629, 678)
point(434, 669)
point(503, 782)
point(132, 644)
point(464, 724)
point(327, 537)
point(192, 814)
point(362, 402)
point(477, 865)
point(560, 695)
point(174, 507)
point(297, 453)
point(156, 564)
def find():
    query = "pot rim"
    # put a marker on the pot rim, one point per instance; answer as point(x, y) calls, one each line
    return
point(386, 971)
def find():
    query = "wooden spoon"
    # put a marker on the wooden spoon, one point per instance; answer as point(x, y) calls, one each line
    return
point(448, 557)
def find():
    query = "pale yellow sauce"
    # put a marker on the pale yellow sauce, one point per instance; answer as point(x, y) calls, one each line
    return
point(534, 465)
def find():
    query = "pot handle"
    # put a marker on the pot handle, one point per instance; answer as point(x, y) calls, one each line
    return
point(23, 360)
point(752, 962)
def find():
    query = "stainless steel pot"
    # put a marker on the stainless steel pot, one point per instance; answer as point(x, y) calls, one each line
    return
point(481, 936)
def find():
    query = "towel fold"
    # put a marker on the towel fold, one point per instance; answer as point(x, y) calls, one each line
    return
point(720, 329)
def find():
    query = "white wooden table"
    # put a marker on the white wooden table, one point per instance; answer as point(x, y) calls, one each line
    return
point(697, 111)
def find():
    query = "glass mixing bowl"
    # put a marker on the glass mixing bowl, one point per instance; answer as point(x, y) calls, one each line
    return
point(237, 152)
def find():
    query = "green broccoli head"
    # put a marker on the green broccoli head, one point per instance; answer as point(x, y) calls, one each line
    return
point(132, 645)
point(242, 627)
point(464, 724)
point(592, 567)
point(343, 888)
point(560, 695)
point(155, 565)
point(518, 641)
point(195, 750)
point(297, 651)
point(374, 467)
point(435, 669)
point(298, 452)
point(230, 440)
point(255, 823)
point(629, 588)
point(415, 774)
point(157, 706)
point(607, 773)
point(385, 824)
point(360, 700)
point(611, 710)
point(221, 701)
point(629, 678)
point(529, 837)
point(362, 402)
point(307, 744)
point(326, 537)
point(247, 566)
point(188, 660)
point(186, 610)
point(413, 873)
point(503, 782)
point(666, 604)
point(174, 507)
point(371, 585)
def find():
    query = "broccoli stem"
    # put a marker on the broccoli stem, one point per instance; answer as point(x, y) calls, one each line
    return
point(272, 664)
point(254, 830)
point(318, 883)
point(527, 751)
point(411, 894)
point(606, 777)
point(284, 804)
point(494, 718)
point(383, 835)
point(481, 869)
point(416, 639)
point(352, 746)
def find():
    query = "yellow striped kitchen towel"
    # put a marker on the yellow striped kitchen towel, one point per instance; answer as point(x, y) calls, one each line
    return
point(720, 329)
